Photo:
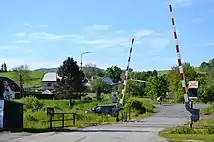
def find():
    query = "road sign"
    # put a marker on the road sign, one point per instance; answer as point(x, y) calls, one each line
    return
point(193, 84)
point(193, 89)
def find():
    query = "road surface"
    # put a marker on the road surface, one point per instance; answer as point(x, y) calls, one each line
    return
point(144, 130)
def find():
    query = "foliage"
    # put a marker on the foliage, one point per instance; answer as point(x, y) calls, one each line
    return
point(135, 88)
point(134, 104)
point(91, 70)
point(114, 73)
point(22, 71)
point(174, 81)
point(156, 86)
point(31, 102)
point(98, 83)
point(39, 119)
point(207, 66)
point(3, 68)
point(71, 78)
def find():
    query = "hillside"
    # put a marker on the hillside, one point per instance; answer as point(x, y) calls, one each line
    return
point(36, 78)
point(96, 69)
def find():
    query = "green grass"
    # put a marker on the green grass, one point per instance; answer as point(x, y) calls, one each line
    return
point(202, 130)
point(38, 120)
point(36, 80)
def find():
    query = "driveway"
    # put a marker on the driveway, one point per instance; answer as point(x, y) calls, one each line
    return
point(144, 130)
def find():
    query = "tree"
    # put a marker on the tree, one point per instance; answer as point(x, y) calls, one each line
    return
point(91, 70)
point(114, 73)
point(135, 88)
point(71, 79)
point(101, 74)
point(2, 68)
point(5, 67)
point(155, 73)
point(156, 86)
point(22, 71)
point(174, 80)
point(207, 66)
point(98, 85)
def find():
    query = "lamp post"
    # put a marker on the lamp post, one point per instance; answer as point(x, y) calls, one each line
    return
point(81, 57)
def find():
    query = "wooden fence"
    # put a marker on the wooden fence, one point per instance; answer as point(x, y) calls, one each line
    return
point(51, 114)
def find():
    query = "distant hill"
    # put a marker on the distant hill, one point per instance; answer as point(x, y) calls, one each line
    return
point(55, 69)
point(46, 70)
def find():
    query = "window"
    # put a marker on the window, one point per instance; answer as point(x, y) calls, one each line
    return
point(49, 84)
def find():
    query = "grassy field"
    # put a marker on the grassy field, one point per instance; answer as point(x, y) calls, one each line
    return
point(36, 78)
point(38, 120)
point(202, 130)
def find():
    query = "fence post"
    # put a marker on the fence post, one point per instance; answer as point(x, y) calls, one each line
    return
point(63, 124)
point(50, 120)
point(74, 119)
point(129, 115)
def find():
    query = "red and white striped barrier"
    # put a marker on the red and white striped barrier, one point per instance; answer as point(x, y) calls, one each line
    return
point(126, 74)
point(186, 98)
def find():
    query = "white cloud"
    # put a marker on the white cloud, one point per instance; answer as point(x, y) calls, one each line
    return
point(106, 43)
point(97, 27)
point(142, 33)
point(156, 43)
point(20, 34)
point(22, 41)
point(199, 19)
point(51, 36)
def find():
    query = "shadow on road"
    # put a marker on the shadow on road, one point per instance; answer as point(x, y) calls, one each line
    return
point(68, 130)
point(106, 131)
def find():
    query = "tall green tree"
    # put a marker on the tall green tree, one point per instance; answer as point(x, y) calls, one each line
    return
point(156, 86)
point(99, 85)
point(5, 67)
point(71, 79)
point(114, 73)
point(174, 80)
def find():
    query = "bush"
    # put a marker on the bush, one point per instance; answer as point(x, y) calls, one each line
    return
point(31, 102)
point(30, 118)
point(182, 130)
point(211, 129)
point(87, 98)
point(134, 104)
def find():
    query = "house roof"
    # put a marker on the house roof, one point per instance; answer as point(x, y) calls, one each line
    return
point(107, 80)
point(50, 76)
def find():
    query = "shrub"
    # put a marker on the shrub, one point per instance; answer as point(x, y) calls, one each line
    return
point(31, 118)
point(211, 129)
point(134, 104)
point(87, 98)
point(182, 130)
point(32, 102)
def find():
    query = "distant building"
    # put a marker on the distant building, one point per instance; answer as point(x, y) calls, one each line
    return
point(107, 80)
point(15, 87)
point(49, 81)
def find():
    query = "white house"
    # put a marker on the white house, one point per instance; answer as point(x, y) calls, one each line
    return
point(49, 81)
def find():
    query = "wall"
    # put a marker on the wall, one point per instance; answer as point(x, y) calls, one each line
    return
point(47, 87)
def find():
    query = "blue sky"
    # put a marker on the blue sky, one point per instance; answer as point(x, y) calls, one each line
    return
point(42, 33)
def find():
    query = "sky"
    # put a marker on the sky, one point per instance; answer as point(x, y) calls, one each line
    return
point(43, 33)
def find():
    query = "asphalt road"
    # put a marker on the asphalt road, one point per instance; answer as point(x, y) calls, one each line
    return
point(144, 130)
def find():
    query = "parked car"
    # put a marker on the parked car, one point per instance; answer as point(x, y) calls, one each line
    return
point(102, 109)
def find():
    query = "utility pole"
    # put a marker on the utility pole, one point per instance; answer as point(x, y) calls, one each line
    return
point(81, 57)
point(21, 86)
